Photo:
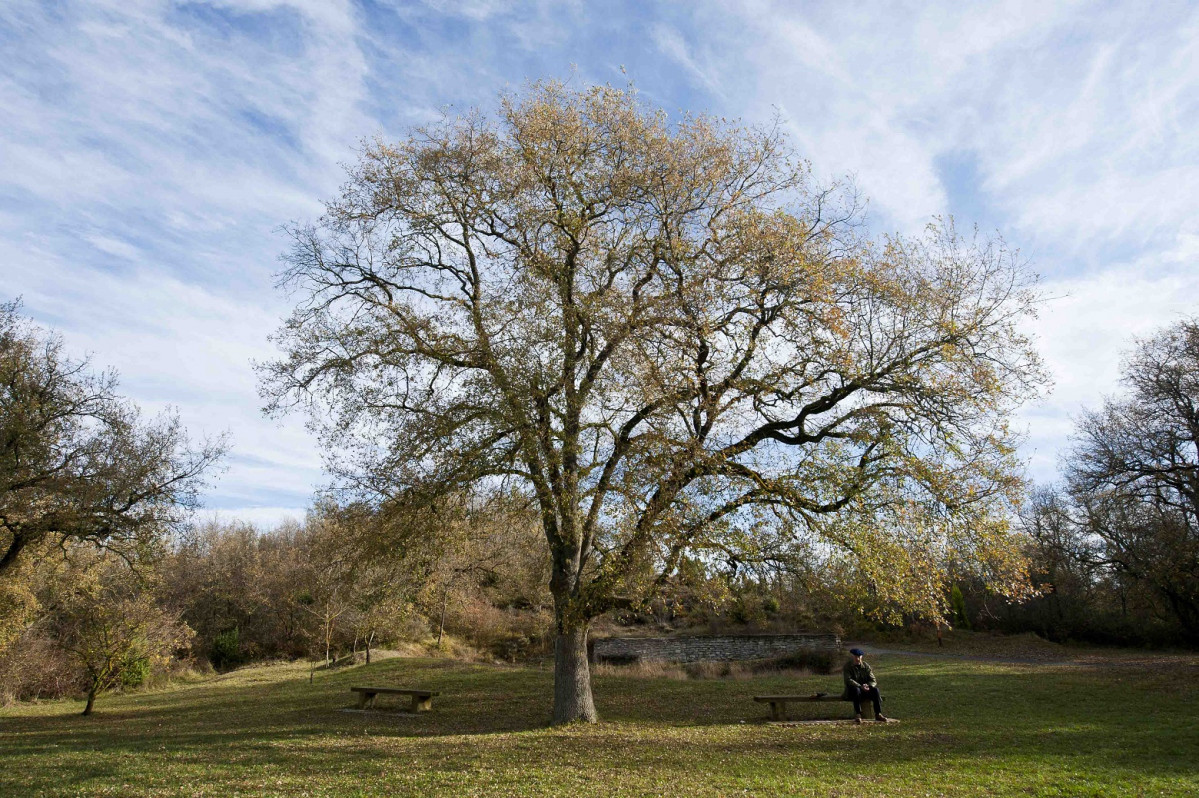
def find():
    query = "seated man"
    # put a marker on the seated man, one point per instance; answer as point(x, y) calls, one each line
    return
point(860, 683)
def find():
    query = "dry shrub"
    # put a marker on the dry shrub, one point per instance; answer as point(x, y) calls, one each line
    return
point(390, 652)
point(185, 670)
point(403, 648)
point(708, 669)
point(508, 634)
point(410, 626)
point(660, 669)
point(452, 647)
point(34, 666)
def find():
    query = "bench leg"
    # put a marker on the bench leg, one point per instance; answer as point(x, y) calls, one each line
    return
point(778, 710)
point(422, 703)
point(867, 709)
point(364, 698)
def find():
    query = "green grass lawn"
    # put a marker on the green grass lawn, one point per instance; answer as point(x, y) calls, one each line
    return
point(968, 728)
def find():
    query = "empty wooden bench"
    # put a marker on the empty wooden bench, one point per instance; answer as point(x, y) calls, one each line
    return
point(778, 703)
point(422, 700)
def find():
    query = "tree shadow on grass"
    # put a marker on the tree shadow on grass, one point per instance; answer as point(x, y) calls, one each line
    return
point(953, 713)
point(473, 699)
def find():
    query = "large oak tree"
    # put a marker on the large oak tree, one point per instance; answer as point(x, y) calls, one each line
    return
point(671, 339)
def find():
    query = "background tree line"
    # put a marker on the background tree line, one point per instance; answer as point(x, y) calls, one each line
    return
point(1116, 543)
point(333, 589)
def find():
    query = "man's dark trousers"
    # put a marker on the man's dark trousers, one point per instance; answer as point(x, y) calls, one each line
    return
point(856, 694)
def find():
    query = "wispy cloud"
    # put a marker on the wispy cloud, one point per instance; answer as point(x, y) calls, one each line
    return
point(1068, 126)
point(153, 150)
point(673, 46)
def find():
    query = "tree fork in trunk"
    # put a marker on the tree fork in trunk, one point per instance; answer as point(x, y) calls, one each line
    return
point(572, 677)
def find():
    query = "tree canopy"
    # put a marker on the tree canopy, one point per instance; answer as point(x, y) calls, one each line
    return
point(673, 340)
point(77, 461)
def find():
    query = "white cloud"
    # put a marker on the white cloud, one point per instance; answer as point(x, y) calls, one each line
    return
point(1080, 119)
point(1078, 123)
point(113, 246)
point(672, 44)
point(180, 346)
point(263, 518)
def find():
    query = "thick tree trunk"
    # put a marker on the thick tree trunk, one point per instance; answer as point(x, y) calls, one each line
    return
point(91, 700)
point(9, 559)
point(328, 634)
point(572, 678)
point(445, 599)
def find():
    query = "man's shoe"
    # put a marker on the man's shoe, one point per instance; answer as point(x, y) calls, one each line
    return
point(882, 718)
point(857, 718)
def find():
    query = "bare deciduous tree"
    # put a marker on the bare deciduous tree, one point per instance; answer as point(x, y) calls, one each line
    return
point(77, 463)
point(1134, 471)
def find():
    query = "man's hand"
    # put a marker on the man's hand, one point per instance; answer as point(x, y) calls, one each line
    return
point(865, 688)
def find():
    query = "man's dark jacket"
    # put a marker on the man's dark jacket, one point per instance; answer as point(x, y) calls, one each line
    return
point(857, 675)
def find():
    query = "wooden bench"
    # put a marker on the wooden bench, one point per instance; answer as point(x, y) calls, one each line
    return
point(422, 700)
point(778, 703)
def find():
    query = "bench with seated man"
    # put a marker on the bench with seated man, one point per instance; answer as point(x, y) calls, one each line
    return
point(860, 684)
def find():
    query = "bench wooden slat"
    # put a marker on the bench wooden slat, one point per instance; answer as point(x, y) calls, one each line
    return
point(778, 703)
point(394, 690)
point(422, 700)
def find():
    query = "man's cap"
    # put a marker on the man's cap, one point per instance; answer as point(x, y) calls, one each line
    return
point(857, 652)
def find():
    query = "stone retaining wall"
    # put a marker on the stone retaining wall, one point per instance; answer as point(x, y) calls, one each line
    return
point(718, 648)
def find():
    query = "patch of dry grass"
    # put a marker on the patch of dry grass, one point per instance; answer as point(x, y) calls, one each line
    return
point(736, 671)
point(642, 669)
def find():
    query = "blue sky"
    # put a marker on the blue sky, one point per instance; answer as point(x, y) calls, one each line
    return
point(150, 151)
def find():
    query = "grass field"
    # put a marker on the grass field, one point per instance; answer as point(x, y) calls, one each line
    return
point(1120, 727)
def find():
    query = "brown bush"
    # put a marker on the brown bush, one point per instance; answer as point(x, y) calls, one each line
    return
point(34, 667)
point(509, 634)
